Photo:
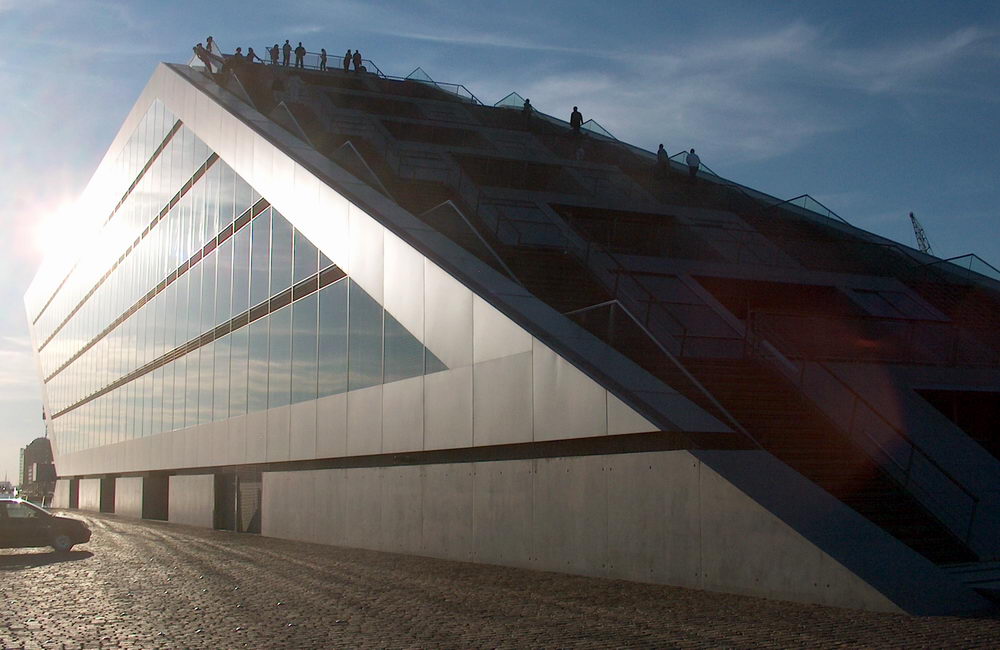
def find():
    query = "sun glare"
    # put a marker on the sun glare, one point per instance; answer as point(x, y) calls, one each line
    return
point(58, 233)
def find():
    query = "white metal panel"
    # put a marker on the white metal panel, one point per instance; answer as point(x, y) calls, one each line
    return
point(278, 433)
point(365, 264)
point(331, 426)
point(448, 409)
point(364, 421)
point(502, 396)
point(302, 439)
point(256, 437)
point(495, 335)
point(404, 284)
point(447, 317)
point(236, 449)
point(567, 403)
point(403, 415)
point(622, 418)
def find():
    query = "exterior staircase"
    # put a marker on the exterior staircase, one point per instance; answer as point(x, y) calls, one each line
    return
point(787, 425)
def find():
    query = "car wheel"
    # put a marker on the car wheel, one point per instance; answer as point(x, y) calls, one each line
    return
point(62, 544)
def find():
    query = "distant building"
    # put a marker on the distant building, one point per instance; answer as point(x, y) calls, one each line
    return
point(374, 312)
point(38, 474)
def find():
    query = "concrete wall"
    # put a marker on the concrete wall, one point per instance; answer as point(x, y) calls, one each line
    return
point(128, 496)
point(60, 498)
point(663, 517)
point(192, 500)
point(90, 494)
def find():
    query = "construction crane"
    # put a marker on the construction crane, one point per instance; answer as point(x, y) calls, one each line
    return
point(918, 232)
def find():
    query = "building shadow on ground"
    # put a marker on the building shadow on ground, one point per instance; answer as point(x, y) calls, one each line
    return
point(29, 560)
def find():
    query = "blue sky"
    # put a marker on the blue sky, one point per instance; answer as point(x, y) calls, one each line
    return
point(873, 108)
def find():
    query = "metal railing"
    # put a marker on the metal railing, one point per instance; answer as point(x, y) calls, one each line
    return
point(905, 460)
point(673, 360)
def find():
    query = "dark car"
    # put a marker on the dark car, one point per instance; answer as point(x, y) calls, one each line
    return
point(24, 524)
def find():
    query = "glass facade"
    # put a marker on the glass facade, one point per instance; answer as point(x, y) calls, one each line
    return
point(211, 306)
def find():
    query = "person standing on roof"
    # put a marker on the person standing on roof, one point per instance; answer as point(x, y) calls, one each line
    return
point(662, 161)
point(209, 43)
point(251, 55)
point(202, 54)
point(693, 162)
point(322, 58)
point(357, 60)
point(575, 120)
point(347, 60)
point(286, 52)
point(274, 54)
point(526, 112)
point(300, 55)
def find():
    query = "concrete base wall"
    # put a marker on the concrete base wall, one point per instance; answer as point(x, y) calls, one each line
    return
point(128, 496)
point(192, 500)
point(662, 517)
point(60, 498)
point(90, 494)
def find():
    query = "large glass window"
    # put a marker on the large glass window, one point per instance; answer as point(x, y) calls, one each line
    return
point(257, 366)
point(364, 360)
point(223, 281)
point(260, 258)
point(279, 381)
point(306, 258)
point(241, 271)
point(304, 354)
point(238, 372)
point(281, 253)
point(404, 354)
point(332, 354)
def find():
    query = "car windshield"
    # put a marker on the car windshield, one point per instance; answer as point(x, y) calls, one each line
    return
point(20, 509)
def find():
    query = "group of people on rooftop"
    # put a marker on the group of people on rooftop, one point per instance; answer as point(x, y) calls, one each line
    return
point(662, 157)
point(213, 59)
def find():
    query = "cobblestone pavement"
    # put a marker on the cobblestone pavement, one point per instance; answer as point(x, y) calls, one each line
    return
point(155, 585)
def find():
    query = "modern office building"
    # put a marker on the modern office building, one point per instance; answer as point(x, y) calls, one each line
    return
point(374, 312)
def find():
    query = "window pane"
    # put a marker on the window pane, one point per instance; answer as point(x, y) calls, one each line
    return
point(223, 281)
point(238, 372)
point(227, 189)
point(404, 354)
point(365, 342)
point(257, 366)
point(207, 311)
point(281, 253)
point(279, 379)
point(206, 388)
point(304, 334)
point(221, 390)
point(260, 257)
point(241, 271)
point(333, 338)
point(191, 397)
point(306, 258)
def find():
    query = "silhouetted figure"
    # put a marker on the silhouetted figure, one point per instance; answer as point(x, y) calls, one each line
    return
point(209, 43)
point(239, 53)
point(693, 162)
point(274, 54)
point(526, 112)
point(202, 54)
point(575, 120)
point(662, 162)
point(347, 60)
point(300, 55)
point(286, 52)
point(357, 60)
point(251, 55)
point(322, 58)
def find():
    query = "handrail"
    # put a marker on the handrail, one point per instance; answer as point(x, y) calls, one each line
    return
point(690, 377)
point(756, 338)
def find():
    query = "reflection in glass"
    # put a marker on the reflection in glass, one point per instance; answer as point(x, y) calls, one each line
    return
point(257, 366)
point(364, 365)
point(304, 339)
point(260, 257)
point(241, 271)
point(223, 281)
point(333, 338)
point(238, 372)
point(220, 398)
point(404, 354)
point(306, 258)
point(279, 381)
point(281, 253)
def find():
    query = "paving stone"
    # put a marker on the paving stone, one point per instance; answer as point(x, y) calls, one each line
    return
point(141, 584)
